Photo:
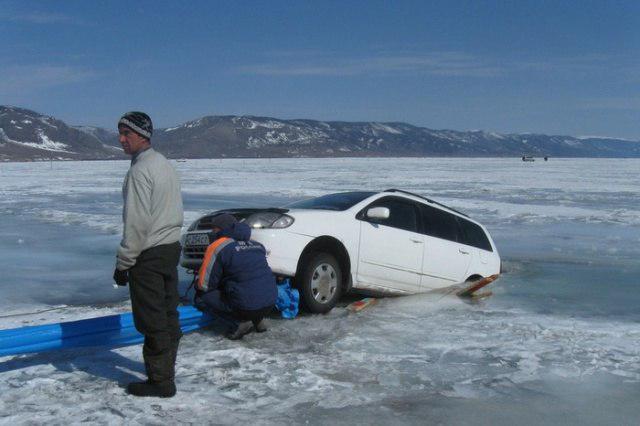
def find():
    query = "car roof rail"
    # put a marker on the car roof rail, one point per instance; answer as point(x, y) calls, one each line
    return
point(425, 198)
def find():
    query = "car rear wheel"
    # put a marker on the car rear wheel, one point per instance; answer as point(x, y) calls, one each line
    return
point(320, 282)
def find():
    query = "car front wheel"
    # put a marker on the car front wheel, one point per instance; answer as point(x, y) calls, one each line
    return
point(320, 282)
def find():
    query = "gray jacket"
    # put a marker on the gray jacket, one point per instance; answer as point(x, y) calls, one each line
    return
point(152, 213)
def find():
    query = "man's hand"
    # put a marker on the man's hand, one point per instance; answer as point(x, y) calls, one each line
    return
point(121, 277)
point(197, 301)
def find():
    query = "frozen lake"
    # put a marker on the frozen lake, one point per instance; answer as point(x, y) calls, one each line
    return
point(559, 341)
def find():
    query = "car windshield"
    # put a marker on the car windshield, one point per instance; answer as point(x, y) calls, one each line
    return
point(338, 202)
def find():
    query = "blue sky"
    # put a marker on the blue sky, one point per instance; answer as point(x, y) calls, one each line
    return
point(555, 67)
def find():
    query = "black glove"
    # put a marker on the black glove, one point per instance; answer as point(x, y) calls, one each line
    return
point(121, 277)
point(197, 301)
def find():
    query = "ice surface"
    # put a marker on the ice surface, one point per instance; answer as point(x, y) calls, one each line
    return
point(559, 342)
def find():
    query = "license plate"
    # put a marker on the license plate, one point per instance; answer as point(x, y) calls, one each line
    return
point(197, 239)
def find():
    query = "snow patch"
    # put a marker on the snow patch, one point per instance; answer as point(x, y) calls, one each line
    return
point(46, 120)
point(572, 142)
point(385, 128)
point(44, 144)
point(49, 144)
point(254, 142)
point(495, 135)
point(250, 124)
point(192, 124)
point(604, 138)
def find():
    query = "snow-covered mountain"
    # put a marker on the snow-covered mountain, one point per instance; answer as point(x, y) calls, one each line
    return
point(107, 137)
point(28, 135)
point(247, 136)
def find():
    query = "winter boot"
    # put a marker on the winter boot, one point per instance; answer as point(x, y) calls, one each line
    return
point(165, 389)
point(260, 325)
point(160, 372)
point(242, 329)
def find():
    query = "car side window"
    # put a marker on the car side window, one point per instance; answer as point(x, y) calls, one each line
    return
point(441, 224)
point(474, 235)
point(402, 214)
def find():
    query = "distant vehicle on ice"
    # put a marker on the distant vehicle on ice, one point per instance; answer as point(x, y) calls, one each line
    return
point(390, 242)
point(528, 158)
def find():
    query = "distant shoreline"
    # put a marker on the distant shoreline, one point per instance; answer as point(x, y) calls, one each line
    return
point(181, 159)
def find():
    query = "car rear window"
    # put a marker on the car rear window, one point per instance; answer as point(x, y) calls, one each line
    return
point(338, 202)
point(474, 235)
point(441, 224)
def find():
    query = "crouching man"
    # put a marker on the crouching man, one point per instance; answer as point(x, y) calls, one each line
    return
point(235, 281)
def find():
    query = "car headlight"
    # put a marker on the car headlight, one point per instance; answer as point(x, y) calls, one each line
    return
point(269, 220)
point(194, 225)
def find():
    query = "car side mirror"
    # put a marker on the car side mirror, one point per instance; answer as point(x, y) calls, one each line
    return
point(378, 213)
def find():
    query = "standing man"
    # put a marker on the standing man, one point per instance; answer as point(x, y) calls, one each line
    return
point(149, 253)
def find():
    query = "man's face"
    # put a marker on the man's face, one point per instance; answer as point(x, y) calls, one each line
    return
point(131, 141)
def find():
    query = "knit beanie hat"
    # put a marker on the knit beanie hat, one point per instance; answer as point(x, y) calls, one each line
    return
point(223, 221)
point(139, 122)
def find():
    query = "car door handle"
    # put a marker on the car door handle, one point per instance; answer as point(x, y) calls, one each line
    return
point(415, 241)
point(463, 251)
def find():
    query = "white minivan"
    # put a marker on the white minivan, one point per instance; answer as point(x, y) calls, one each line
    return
point(390, 242)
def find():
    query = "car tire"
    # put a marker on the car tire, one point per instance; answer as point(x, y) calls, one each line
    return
point(320, 282)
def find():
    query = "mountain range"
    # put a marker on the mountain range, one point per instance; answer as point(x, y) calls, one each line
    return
point(26, 135)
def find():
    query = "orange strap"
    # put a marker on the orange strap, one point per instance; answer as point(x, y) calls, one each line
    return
point(209, 259)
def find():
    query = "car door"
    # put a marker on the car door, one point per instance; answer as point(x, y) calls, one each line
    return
point(446, 259)
point(391, 249)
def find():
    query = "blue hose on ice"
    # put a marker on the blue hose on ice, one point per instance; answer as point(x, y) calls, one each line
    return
point(110, 331)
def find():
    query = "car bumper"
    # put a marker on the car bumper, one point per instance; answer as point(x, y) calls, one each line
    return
point(283, 248)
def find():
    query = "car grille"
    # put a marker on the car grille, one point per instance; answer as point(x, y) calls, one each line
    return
point(194, 252)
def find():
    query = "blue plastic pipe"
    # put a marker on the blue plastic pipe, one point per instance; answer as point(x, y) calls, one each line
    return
point(109, 331)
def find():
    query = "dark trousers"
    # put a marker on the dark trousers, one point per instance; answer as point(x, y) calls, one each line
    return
point(153, 285)
point(214, 302)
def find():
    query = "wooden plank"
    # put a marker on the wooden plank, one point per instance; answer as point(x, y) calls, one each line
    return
point(477, 285)
point(359, 305)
